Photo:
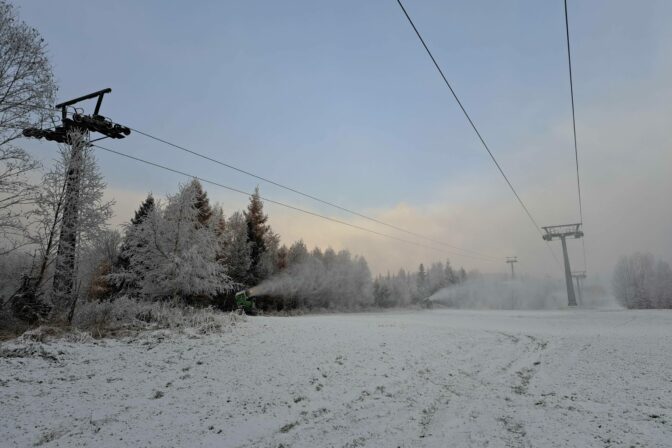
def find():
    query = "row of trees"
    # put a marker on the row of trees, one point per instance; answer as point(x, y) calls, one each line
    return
point(316, 279)
point(406, 288)
point(641, 281)
point(185, 247)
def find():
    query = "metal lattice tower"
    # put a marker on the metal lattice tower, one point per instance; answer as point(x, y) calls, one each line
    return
point(562, 232)
point(74, 131)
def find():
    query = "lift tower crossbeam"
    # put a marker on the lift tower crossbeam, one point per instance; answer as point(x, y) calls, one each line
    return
point(562, 232)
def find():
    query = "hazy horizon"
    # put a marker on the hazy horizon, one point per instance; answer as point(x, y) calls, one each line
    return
point(340, 101)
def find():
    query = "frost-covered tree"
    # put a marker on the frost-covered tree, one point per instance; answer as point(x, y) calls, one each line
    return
point(298, 253)
point(236, 249)
point(27, 90)
point(450, 276)
point(93, 211)
point(436, 278)
point(97, 262)
point(281, 259)
point(382, 293)
point(177, 253)
point(462, 275)
point(310, 281)
point(124, 277)
point(640, 281)
point(421, 282)
point(268, 262)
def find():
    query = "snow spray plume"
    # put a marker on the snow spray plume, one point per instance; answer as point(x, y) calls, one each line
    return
point(341, 283)
point(496, 293)
point(488, 292)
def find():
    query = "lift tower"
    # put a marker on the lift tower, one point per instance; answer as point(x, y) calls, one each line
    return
point(511, 260)
point(579, 276)
point(74, 130)
point(562, 232)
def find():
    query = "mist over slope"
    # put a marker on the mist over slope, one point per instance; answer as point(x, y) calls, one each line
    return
point(489, 292)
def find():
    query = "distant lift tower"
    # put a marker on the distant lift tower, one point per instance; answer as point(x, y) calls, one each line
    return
point(562, 232)
point(579, 276)
point(511, 260)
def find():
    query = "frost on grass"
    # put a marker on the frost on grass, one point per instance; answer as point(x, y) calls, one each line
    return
point(125, 315)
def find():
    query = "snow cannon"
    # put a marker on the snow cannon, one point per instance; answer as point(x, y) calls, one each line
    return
point(245, 302)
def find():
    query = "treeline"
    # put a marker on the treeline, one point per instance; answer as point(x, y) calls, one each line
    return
point(182, 248)
point(641, 281)
point(186, 249)
point(409, 288)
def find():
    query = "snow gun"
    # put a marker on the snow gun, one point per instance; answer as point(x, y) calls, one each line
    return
point(245, 301)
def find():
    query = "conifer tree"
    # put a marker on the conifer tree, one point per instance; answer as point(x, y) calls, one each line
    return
point(451, 277)
point(201, 202)
point(236, 249)
point(177, 254)
point(256, 234)
point(146, 206)
point(281, 259)
point(122, 277)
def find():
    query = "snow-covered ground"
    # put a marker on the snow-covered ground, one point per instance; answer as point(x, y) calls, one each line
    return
point(400, 379)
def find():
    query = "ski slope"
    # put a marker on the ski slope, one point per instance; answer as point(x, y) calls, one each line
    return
point(400, 379)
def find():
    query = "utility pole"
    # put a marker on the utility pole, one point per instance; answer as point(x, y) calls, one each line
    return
point(562, 232)
point(511, 260)
point(74, 131)
point(579, 276)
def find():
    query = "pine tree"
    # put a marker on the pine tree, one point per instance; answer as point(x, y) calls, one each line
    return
point(462, 275)
point(281, 259)
point(256, 234)
point(146, 206)
point(236, 249)
point(201, 202)
point(421, 282)
point(123, 277)
point(297, 254)
point(451, 278)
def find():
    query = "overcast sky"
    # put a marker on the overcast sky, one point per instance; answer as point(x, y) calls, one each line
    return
point(338, 99)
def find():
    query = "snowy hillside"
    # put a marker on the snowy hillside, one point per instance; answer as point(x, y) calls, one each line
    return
point(410, 379)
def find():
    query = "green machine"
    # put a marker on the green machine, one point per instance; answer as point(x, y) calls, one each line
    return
point(245, 302)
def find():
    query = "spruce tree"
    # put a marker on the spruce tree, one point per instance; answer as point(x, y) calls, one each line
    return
point(146, 206)
point(123, 278)
point(421, 280)
point(201, 202)
point(256, 233)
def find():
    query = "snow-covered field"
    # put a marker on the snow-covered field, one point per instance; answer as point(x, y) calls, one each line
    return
point(400, 379)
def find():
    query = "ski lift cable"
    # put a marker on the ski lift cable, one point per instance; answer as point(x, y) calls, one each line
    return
point(478, 134)
point(315, 198)
point(467, 252)
point(289, 206)
point(576, 148)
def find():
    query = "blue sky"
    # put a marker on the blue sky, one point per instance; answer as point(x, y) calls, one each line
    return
point(339, 99)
